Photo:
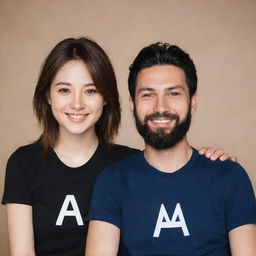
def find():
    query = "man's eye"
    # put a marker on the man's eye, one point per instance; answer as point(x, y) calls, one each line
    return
point(173, 93)
point(63, 90)
point(91, 91)
point(147, 95)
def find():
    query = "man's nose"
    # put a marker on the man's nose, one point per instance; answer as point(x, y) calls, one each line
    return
point(161, 104)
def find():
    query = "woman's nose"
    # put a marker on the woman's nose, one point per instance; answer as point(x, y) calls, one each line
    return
point(77, 102)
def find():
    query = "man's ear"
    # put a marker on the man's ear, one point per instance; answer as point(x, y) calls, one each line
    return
point(194, 102)
point(131, 105)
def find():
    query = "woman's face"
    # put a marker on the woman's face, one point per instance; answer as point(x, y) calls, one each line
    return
point(75, 101)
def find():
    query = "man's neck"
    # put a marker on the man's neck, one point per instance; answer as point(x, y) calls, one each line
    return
point(171, 159)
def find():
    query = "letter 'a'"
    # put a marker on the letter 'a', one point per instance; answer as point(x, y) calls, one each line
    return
point(70, 199)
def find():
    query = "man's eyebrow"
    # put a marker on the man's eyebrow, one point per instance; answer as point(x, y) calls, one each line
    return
point(145, 89)
point(166, 89)
point(69, 84)
point(175, 87)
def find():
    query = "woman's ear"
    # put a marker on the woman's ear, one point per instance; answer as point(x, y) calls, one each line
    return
point(48, 98)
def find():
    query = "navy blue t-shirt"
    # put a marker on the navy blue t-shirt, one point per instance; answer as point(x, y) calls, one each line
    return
point(184, 213)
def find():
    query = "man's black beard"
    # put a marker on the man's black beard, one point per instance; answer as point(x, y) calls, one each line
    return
point(162, 139)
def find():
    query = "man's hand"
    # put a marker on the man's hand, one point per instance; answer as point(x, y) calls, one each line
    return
point(215, 154)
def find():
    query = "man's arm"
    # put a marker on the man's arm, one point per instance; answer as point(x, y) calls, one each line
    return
point(103, 239)
point(243, 240)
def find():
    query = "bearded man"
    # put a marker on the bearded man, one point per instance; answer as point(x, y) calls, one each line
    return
point(170, 200)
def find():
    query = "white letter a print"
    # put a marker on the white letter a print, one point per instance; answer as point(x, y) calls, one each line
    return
point(163, 221)
point(70, 199)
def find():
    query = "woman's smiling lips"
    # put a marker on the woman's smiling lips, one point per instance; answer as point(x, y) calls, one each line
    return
point(76, 117)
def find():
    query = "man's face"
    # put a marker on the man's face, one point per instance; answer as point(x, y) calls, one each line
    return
point(162, 107)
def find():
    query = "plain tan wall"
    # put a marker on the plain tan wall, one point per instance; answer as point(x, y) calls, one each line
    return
point(220, 35)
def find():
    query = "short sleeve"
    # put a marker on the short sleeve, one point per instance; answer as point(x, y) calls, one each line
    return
point(106, 199)
point(16, 188)
point(240, 199)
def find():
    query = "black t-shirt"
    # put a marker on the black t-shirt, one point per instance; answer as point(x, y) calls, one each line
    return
point(59, 195)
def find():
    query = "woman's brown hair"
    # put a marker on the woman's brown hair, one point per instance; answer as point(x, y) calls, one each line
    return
point(103, 76)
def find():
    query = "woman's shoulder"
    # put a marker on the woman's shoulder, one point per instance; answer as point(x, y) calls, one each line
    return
point(28, 151)
point(122, 150)
point(25, 162)
point(115, 152)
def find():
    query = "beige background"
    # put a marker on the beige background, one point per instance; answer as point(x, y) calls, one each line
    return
point(220, 35)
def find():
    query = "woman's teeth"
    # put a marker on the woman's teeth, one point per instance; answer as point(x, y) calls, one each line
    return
point(77, 117)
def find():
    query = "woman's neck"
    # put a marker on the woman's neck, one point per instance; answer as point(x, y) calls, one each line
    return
point(75, 150)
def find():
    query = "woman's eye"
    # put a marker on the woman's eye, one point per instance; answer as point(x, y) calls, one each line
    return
point(63, 90)
point(91, 91)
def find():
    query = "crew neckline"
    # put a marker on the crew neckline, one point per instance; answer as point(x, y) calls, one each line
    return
point(178, 172)
point(78, 168)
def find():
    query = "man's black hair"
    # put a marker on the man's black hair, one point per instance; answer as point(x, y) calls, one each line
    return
point(163, 54)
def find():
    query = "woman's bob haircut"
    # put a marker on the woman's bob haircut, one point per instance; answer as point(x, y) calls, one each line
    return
point(103, 76)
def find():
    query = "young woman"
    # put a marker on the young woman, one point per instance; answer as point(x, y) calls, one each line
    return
point(49, 183)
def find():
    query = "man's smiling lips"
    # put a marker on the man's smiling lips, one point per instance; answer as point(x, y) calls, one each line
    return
point(162, 120)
